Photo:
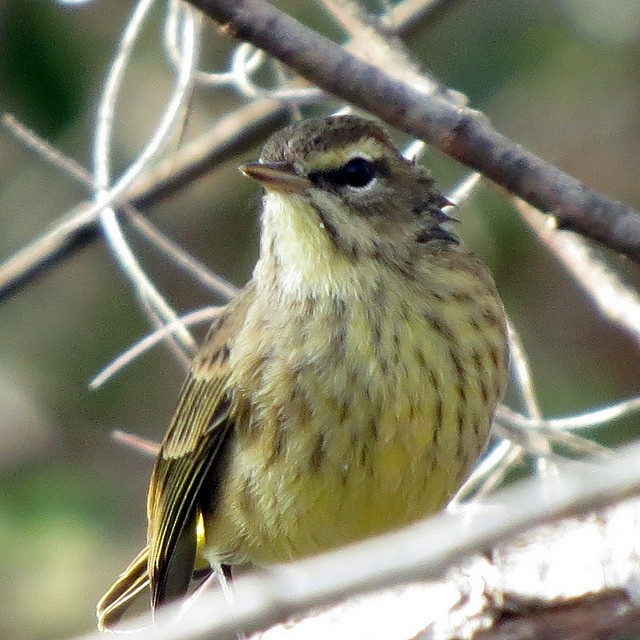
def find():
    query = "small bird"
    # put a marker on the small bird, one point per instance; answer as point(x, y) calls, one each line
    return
point(348, 388)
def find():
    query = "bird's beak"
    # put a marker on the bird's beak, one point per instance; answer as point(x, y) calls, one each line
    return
point(276, 176)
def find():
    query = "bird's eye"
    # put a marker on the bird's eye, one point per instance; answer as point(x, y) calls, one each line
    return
point(356, 173)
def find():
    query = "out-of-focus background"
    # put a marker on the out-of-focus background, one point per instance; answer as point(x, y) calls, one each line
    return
point(560, 76)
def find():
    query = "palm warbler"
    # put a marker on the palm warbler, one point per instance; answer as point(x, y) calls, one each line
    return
point(350, 385)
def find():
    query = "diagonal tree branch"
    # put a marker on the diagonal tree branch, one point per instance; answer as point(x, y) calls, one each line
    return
point(461, 133)
point(232, 135)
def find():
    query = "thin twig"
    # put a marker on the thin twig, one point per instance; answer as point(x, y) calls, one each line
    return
point(32, 141)
point(106, 193)
point(141, 445)
point(182, 353)
point(179, 256)
point(230, 137)
point(159, 335)
point(615, 300)
point(588, 420)
point(530, 439)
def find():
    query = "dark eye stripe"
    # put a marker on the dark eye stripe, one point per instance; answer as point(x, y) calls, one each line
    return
point(356, 173)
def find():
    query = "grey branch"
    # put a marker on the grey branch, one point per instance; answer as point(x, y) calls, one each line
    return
point(461, 133)
point(230, 137)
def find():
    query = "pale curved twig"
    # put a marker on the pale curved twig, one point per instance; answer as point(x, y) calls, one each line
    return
point(586, 420)
point(241, 69)
point(234, 134)
point(108, 220)
point(231, 135)
point(615, 300)
point(141, 445)
point(136, 350)
point(160, 241)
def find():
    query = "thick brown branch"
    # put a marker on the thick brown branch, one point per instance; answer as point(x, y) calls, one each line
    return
point(463, 134)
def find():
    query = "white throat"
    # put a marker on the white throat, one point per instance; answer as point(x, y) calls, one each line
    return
point(298, 252)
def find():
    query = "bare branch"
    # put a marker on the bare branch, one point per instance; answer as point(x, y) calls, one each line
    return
point(406, 15)
point(463, 134)
point(232, 135)
point(614, 299)
point(430, 548)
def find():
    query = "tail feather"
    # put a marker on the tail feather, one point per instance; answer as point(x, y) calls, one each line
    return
point(133, 581)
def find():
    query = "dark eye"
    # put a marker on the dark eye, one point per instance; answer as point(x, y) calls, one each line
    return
point(357, 173)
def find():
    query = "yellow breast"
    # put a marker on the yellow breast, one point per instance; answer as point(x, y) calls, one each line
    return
point(369, 419)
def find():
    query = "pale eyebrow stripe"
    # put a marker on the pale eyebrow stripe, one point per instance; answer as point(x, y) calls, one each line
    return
point(367, 148)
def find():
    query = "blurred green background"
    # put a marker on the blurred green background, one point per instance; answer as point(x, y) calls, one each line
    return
point(561, 77)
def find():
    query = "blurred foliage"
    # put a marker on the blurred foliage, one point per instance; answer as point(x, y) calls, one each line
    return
point(560, 77)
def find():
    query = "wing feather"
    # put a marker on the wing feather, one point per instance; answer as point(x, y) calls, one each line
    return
point(133, 580)
point(194, 443)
